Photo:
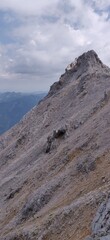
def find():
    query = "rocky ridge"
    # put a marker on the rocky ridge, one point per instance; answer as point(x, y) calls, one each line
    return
point(55, 167)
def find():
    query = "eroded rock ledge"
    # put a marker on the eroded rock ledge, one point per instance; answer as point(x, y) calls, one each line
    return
point(101, 222)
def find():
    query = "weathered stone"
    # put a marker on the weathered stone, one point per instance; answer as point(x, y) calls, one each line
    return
point(61, 191)
point(57, 134)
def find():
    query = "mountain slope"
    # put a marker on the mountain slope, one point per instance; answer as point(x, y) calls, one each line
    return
point(55, 168)
point(13, 106)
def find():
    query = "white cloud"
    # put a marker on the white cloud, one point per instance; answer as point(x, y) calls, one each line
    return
point(28, 7)
point(46, 36)
point(102, 4)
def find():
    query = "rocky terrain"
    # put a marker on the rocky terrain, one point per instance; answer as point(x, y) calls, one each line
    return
point(55, 164)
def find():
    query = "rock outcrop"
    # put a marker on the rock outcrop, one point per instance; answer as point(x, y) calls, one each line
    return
point(101, 223)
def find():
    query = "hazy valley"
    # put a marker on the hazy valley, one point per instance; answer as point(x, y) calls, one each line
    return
point(13, 106)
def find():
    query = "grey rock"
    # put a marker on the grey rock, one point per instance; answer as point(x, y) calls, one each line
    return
point(89, 238)
point(86, 165)
point(105, 237)
point(57, 134)
point(38, 200)
point(54, 195)
point(101, 222)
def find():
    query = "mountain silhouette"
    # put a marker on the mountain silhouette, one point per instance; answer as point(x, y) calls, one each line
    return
point(55, 163)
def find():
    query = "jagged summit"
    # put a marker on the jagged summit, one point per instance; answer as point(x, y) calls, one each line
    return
point(90, 61)
point(55, 164)
point(87, 63)
point(87, 59)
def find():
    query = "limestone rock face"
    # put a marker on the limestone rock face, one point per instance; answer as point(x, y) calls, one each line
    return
point(101, 222)
point(55, 163)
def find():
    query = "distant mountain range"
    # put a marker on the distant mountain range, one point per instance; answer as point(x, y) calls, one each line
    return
point(14, 105)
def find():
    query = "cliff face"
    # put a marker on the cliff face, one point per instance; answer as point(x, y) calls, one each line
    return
point(55, 164)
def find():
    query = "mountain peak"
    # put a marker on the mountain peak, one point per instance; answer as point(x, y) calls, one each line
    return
point(88, 62)
point(55, 164)
point(87, 59)
point(90, 57)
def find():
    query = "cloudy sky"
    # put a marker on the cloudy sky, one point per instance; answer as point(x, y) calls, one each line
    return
point(39, 38)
